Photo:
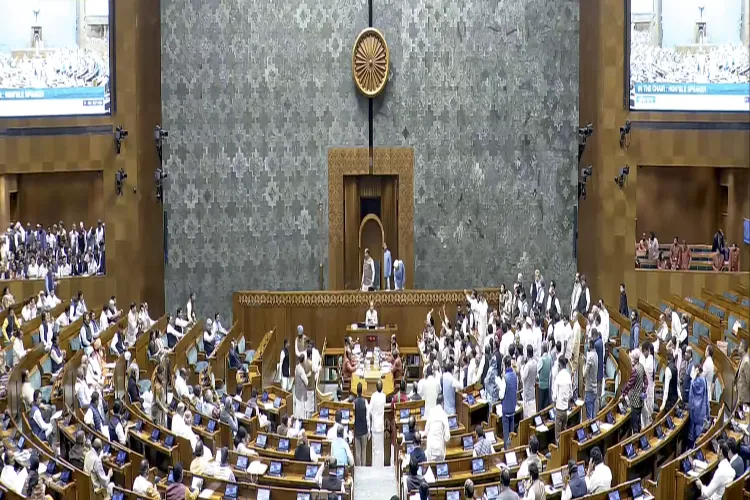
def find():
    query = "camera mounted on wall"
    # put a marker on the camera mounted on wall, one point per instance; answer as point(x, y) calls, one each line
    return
point(625, 135)
point(120, 135)
point(120, 177)
point(159, 135)
point(159, 176)
point(621, 179)
point(583, 134)
point(585, 174)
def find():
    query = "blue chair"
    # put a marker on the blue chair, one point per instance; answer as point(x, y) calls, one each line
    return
point(699, 330)
point(144, 385)
point(731, 296)
point(697, 302)
point(192, 359)
point(9, 357)
point(663, 306)
point(647, 324)
point(712, 309)
point(746, 302)
point(718, 389)
point(35, 337)
point(75, 343)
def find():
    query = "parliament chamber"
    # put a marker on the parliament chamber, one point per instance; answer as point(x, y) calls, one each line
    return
point(373, 250)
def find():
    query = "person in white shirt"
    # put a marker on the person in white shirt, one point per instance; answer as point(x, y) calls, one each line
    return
point(217, 328)
point(605, 321)
point(526, 335)
point(83, 392)
point(479, 307)
point(144, 317)
point(371, 317)
point(538, 287)
point(94, 373)
point(437, 431)
point(598, 475)
point(209, 341)
point(142, 485)
point(474, 373)
point(178, 419)
point(132, 333)
point(14, 474)
point(96, 422)
point(647, 360)
point(506, 340)
point(116, 419)
point(723, 476)
point(29, 311)
point(377, 425)
point(562, 332)
point(429, 389)
point(674, 318)
point(575, 294)
point(180, 385)
point(708, 370)
point(18, 351)
point(662, 332)
point(222, 469)
point(45, 431)
point(190, 309)
point(103, 320)
point(52, 301)
point(562, 390)
point(33, 270)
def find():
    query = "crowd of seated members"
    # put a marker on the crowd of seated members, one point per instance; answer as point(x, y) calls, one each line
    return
point(679, 255)
point(24, 480)
point(27, 253)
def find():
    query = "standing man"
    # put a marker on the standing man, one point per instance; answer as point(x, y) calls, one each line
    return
point(635, 329)
point(508, 392)
point(300, 345)
point(590, 373)
point(647, 360)
point(310, 386)
point(387, 266)
point(743, 375)
point(669, 399)
point(399, 275)
point(576, 295)
point(635, 391)
point(528, 379)
point(300, 387)
point(368, 272)
point(562, 390)
point(377, 424)
point(450, 385)
point(544, 371)
point(428, 389)
point(584, 298)
point(438, 432)
point(361, 428)
point(698, 409)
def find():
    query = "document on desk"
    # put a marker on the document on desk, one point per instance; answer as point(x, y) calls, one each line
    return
point(206, 494)
point(268, 406)
point(604, 426)
point(257, 468)
point(700, 464)
point(579, 402)
point(542, 428)
point(57, 415)
point(429, 476)
point(197, 484)
point(694, 473)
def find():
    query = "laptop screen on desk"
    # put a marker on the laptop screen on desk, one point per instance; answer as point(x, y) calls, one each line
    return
point(629, 450)
point(594, 428)
point(260, 441)
point(283, 444)
point(492, 492)
point(699, 455)
point(242, 462)
point(211, 425)
point(452, 422)
point(344, 415)
point(557, 480)
point(320, 429)
point(311, 471)
point(197, 419)
point(155, 435)
point(275, 468)
point(615, 495)
point(468, 442)
point(670, 423)
point(404, 413)
point(538, 421)
point(324, 413)
point(263, 494)
point(303, 496)
point(340, 472)
point(580, 435)
point(637, 490)
point(510, 459)
point(442, 470)
point(317, 447)
point(230, 491)
point(477, 466)
point(644, 443)
point(453, 495)
point(121, 457)
point(169, 440)
point(277, 402)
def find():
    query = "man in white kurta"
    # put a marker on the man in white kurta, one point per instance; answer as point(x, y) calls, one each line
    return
point(368, 272)
point(429, 388)
point(479, 307)
point(300, 388)
point(438, 432)
point(377, 425)
point(647, 360)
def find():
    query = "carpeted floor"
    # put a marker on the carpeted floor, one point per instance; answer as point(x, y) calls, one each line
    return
point(374, 484)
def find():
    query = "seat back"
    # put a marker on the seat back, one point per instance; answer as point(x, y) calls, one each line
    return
point(719, 313)
point(730, 295)
point(241, 344)
point(35, 379)
point(46, 365)
point(192, 356)
point(75, 343)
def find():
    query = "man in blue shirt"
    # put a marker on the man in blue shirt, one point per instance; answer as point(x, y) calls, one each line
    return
point(508, 396)
point(387, 266)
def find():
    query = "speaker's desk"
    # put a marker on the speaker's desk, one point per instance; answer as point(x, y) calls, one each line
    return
point(379, 336)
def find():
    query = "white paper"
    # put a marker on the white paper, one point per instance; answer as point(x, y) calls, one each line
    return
point(542, 428)
point(605, 426)
point(257, 468)
point(57, 415)
point(694, 473)
point(481, 400)
point(196, 484)
point(700, 464)
point(579, 402)
point(268, 406)
point(170, 397)
point(206, 494)
point(490, 436)
point(111, 366)
point(429, 476)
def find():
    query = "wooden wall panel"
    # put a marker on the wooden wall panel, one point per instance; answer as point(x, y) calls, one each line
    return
point(678, 201)
point(325, 315)
point(607, 217)
point(95, 289)
point(70, 197)
point(653, 285)
point(134, 253)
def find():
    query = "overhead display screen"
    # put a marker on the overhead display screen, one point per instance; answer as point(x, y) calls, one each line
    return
point(689, 55)
point(55, 58)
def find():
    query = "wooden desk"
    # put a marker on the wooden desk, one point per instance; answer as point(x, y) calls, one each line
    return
point(370, 338)
point(471, 415)
point(369, 382)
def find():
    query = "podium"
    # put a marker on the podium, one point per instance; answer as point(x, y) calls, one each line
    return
point(369, 338)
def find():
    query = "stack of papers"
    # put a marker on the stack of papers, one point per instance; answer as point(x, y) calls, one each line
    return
point(257, 468)
point(604, 426)
point(699, 464)
point(429, 476)
point(542, 428)
point(268, 406)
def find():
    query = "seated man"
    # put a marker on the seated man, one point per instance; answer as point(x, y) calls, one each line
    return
point(371, 317)
point(39, 427)
point(330, 481)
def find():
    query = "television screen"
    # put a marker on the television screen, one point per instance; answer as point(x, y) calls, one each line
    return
point(688, 56)
point(55, 58)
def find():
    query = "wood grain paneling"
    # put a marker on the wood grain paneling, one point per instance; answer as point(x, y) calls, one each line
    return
point(653, 285)
point(607, 218)
point(95, 289)
point(325, 315)
point(70, 197)
point(134, 242)
point(680, 202)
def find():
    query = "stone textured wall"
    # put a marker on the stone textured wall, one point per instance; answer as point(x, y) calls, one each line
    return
point(485, 91)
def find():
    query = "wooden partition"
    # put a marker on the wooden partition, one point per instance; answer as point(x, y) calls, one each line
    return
point(325, 315)
point(94, 288)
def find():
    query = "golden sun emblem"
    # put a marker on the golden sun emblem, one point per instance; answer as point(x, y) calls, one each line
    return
point(370, 61)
